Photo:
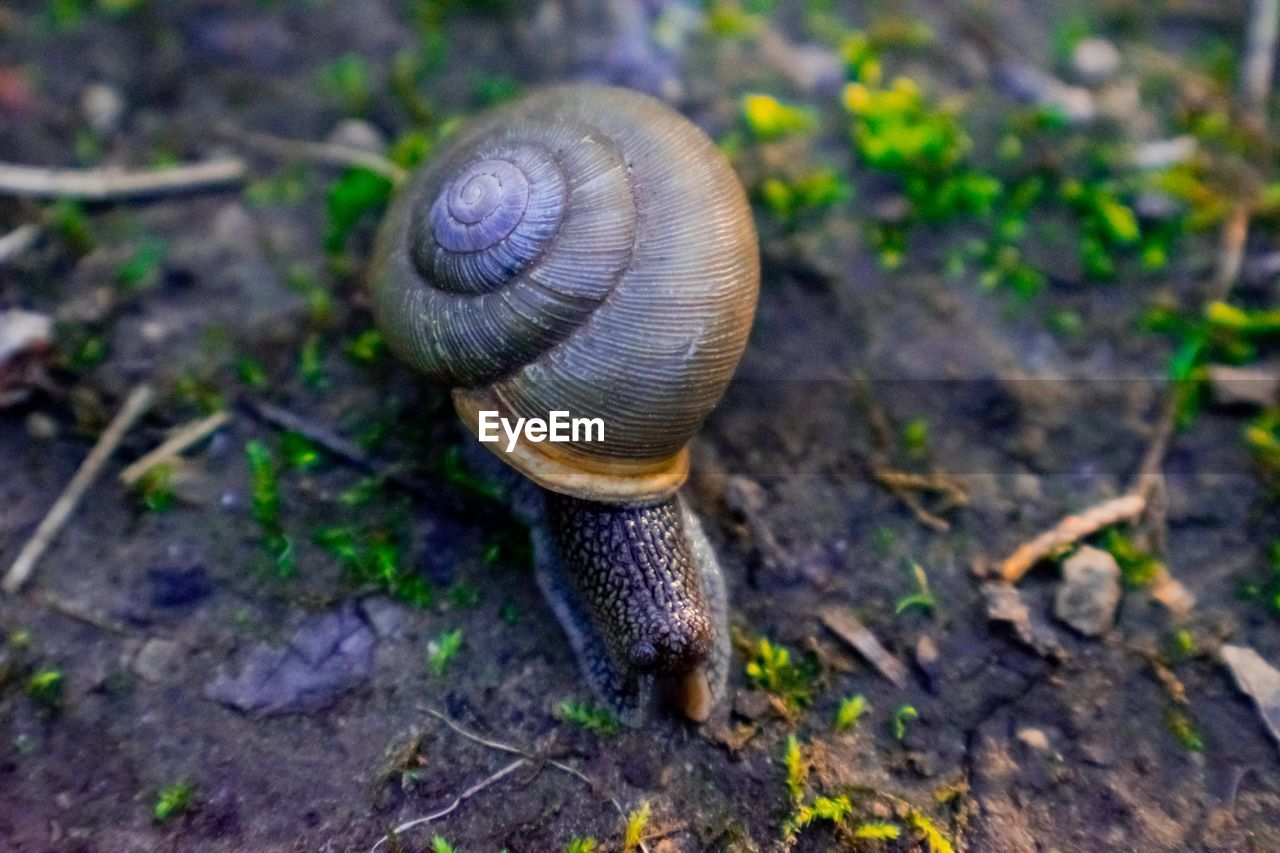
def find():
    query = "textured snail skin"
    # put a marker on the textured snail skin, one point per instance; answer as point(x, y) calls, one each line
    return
point(587, 249)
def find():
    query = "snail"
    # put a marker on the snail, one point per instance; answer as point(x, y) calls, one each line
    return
point(587, 249)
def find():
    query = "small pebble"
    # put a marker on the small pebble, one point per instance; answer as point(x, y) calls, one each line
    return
point(41, 427)
point(1095, 60)
point(1090, 591)
point(157, 660)
point(102, 108)
point(1034, 738)
point(354, 133)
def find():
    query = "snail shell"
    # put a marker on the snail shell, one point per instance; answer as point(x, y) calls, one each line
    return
point(584, 249)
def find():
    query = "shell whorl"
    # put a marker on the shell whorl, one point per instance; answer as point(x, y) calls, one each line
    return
point(583, 249)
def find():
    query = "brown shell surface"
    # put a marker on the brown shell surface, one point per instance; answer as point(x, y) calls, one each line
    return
point(636, 310)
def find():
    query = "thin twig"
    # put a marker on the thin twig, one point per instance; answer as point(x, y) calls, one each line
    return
point(1070, 530)
point(134, 407)
point(525, 758)
point(175, 444)
point(905, 485)
point(83, 614)
point(111, 183)
point(457, 801)
point(317, 152)
point(18, 241)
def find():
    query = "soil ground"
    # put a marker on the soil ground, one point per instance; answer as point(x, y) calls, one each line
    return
point(1036, 425)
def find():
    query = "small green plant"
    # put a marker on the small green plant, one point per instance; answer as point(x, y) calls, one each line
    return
point(582, 845)
point(772, 670)
point(590, 717)
point(348, 80)
point(372, 555)
point(464, 594)
point(1137, 567)
point(442, 650)
point(637, 823)
point(357, 195)
point(902, 716)
point(769, 119)
point(298, 451)
point(915, 437)
point(264, 502)
point(311, 363)
point(439, 845)
point(877, 830)
point(367, 348)
point(833, 809)
point(922, 598)
point(142, 270)
point(793, 201)
point(154, 489)
point(849, 712)
point(797, 769)
point(933, 838)
point(1184, 729)
point(45, 686)
point(174, 799)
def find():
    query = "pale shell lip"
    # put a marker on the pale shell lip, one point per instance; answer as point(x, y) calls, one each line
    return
point(605, 481)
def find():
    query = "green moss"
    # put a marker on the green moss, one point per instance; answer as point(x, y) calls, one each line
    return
point(45, 686)
point(174, 799)
point(142, 269)
point(442, 650)
point(877, 830)
point(637, 823)
point(154, 489)
point(582, 845)
point(797, 769)
point(264, 502)
point(357, 195)
point(772, 669)
point(902, 716)
point(1138, 568)
point(769, 119)
point(590, 717)
point(922, 598)
point(1184, 729)
point(850, 711)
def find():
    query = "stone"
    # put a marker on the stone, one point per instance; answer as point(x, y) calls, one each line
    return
point(1258, 680)
point(1244, 386)
point(1095, 60)
point(1034, 738)
point(1005, 604)
point(327, 655)
point(158, 660)
point(1090, 591)
point(354, 133)
point(102, 108)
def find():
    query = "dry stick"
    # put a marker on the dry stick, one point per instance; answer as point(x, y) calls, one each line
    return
point(317, 152)
point(1260, 57)
point(18, 241)
point(457, 801)
point(111, 183)
point(1070, 530)
point(183, 438)
point(134, 407)
point(83, 614)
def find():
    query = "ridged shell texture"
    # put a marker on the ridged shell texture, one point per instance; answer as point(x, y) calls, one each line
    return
point(584, 249)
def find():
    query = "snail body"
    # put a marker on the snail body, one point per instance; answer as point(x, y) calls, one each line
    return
point(587, 249)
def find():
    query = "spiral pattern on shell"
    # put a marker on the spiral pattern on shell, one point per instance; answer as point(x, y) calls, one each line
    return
point(584, 249)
